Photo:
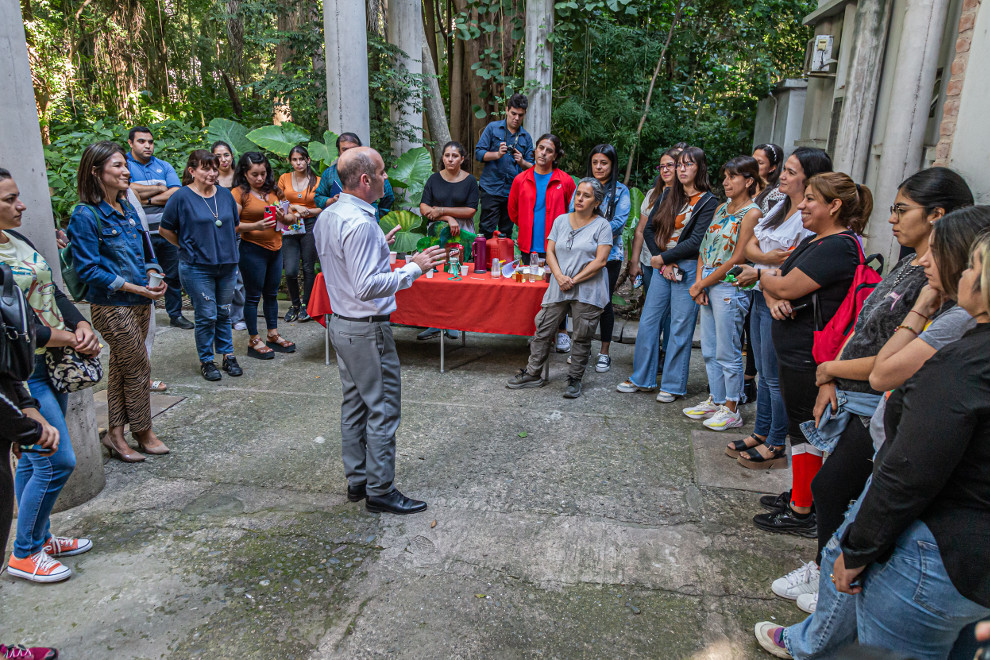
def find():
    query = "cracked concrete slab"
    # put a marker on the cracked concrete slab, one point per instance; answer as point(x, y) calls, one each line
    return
point(604, 526)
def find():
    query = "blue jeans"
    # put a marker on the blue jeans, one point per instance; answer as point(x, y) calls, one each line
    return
point(39, 479)
point(210, 289)
point(722, 322)
point(665, 331)
point(168, 259)
point(666, 300)
point(908, 604)
point(771, 413)
point(262, 271)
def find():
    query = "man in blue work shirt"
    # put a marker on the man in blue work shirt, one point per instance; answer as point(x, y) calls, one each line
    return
point(153, 181)
point(506, 149)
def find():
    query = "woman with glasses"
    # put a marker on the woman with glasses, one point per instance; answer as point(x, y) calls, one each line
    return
point(644, 241)
point(680, 224)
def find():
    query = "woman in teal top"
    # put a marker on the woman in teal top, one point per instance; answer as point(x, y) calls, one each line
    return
point(723, 306)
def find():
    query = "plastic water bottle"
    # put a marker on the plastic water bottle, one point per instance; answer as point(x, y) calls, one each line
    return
point(638, 282)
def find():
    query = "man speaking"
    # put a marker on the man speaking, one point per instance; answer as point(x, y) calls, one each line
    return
point(361, 286)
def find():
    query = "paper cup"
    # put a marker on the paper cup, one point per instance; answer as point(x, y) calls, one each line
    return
point(464, 270)
point(392, 256)
point(429, 274)
point(154, 279)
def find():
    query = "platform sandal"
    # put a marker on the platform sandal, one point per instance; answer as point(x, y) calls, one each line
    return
point(258, 349)
point(754, 459)
point(278, 343)
point(735, 447)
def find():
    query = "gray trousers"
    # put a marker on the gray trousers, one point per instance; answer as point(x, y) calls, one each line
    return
point(549, 318)
point(371, 408)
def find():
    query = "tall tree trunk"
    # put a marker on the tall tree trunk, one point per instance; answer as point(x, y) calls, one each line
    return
point(649, 93)
point(235, 38)
point(436, 118)
point(288, 23)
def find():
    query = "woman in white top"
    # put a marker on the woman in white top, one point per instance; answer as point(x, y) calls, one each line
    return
point(773, 239)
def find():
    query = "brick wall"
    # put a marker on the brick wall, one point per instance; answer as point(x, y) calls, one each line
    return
point(953, 90)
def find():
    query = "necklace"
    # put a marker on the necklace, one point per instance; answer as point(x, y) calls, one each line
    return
point(215, 211)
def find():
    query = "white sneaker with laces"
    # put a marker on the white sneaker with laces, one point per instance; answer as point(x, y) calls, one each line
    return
point(724, 419)
point(665, 397)
point(803, 580)
point(604, 363)
point(808, 602)
point(703, 410)
point(563, 342)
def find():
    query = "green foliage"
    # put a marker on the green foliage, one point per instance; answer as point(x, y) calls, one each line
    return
point(408, 236)
point(410, 173)
point(234, 134)
point(279, 139)
point(324, 152)
point(636, 198)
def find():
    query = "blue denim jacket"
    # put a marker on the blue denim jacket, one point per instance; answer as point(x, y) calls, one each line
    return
point(496, 177)
point(831, 426)
point(109, 253)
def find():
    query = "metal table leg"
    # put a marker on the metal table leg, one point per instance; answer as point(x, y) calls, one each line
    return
point(443, 334)
point(326, 341)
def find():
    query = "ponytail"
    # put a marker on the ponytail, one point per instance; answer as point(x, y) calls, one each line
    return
point(857, 199)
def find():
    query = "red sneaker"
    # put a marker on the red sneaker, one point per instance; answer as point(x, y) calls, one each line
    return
point(23, 653)
point(63, 546)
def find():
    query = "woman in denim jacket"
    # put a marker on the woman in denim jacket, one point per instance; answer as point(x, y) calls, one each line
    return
point(110, 255)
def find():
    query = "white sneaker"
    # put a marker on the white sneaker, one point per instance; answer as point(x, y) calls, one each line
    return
point(604, 363)
point(240, 325)
point(808, 602)
point(563, 342)
point(802, 580)
point(703, 410)
point(724, 419)
point(665, 397)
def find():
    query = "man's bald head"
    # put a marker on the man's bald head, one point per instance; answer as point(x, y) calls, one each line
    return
point(356, 162)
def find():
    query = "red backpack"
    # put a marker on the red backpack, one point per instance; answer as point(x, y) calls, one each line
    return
point(833, 335)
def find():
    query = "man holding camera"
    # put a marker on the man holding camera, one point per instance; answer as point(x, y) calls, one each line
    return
point(506, 149)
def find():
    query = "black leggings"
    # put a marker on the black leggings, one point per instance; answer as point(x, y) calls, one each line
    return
point(607, 321)
point(841, 479)
point(6, 496)
point(798, 389)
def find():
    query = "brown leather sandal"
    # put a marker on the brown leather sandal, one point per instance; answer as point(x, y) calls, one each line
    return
point(277, 343)
point(258, 349)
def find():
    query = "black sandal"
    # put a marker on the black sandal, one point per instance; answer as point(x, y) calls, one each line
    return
point(754, 460)
point(738, 446)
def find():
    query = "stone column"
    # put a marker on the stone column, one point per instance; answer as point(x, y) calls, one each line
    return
point(852, 145)
point(345, 32)
point(539, 66)
point(21, 153)
point(404, 29)
point(916, 64)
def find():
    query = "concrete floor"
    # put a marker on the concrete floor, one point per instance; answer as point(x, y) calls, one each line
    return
point(607, 526)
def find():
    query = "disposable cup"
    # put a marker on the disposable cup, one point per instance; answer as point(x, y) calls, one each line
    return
point(392, 256)
point(154, 279)
point(429, 274)
point(464, 270)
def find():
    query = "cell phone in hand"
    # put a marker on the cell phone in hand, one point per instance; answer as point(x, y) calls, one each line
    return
point(678, 273)
point(34, 449)
point(735, 271)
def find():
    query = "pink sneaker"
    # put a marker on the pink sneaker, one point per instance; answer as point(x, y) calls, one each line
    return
point(23, 653)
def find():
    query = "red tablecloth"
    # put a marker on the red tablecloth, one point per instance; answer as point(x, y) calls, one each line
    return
point(476, 303)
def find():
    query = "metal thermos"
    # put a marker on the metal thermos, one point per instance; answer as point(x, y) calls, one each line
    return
point(480, 251)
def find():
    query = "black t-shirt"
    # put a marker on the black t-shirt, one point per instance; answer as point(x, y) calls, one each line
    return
point(882, 312)
point(440, 192)
point(832, 263)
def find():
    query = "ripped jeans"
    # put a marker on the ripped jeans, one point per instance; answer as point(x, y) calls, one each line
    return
point(211, 290)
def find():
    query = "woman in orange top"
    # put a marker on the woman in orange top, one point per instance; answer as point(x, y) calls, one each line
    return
point(299, 187)
point(261, 250)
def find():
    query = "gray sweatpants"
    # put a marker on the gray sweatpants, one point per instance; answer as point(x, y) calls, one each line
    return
point(371, 408)
point(548, 319)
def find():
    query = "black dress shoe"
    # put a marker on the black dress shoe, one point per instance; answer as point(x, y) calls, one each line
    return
point(210, 371)
point(776, 502)
point(181, 322)
point(231, 367)
point(356, 493)
point(394, 502)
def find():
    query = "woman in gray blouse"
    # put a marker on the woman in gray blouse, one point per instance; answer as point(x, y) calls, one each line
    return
point(577, 251)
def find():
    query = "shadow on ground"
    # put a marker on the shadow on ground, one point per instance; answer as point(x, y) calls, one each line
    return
point(599, 527)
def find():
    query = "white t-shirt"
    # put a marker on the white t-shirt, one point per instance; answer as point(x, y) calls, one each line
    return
point(784, 237)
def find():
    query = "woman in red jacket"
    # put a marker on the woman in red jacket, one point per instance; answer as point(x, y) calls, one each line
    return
point(538, 196)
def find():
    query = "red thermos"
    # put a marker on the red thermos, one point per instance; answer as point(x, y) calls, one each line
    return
point(480, 251)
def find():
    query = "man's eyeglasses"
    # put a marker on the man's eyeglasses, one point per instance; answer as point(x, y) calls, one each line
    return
point(899, 209)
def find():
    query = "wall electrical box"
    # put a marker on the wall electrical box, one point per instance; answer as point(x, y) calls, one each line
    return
point(818, 59)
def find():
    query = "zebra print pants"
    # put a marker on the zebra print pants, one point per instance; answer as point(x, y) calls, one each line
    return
point(125, 329)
